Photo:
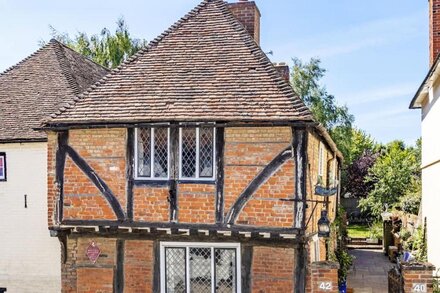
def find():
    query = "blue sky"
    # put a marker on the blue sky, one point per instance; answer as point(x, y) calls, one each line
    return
point(375, 52)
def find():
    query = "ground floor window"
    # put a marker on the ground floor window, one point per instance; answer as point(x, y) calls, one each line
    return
point(200, 267)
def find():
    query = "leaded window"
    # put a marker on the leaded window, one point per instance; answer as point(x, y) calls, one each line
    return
point(2, 167)
point(200, 268)
point(197, 153)
point(152, 153)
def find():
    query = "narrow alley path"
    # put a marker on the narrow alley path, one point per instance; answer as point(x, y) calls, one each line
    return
point(369, 273)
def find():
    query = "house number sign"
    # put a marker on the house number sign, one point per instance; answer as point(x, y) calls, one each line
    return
point(419, 288)
point(93, 252)
point(325, 286)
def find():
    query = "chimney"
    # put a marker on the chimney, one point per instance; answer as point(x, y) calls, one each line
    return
point(283, 70)
point(434, 30)
point(249, 15)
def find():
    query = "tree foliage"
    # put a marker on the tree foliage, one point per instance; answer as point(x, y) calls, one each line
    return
point(392, 176)
point(106, 48)
point(336, 119)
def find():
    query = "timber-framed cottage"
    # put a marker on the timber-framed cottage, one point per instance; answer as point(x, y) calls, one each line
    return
point(190, 168)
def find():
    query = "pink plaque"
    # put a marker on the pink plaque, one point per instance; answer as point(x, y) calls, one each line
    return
point(93, 252)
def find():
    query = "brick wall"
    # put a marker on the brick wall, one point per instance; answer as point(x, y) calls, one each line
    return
point(138, 267)
point(249, 15)
point(323, 277)
point(247, 152)
point(417, 277)
point(273, 270)
point(434, 30)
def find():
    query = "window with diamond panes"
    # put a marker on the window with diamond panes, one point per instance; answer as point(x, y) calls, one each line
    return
point(200, 269)
point(197, 153)
point(152, 153)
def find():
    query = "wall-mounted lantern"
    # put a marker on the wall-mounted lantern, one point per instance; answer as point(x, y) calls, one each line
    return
point(323, 225)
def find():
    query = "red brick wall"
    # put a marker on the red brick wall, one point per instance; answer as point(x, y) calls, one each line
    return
point(151, 204)
point(273, 270)
point(105, 151)
point(196, 203)
point(247, 151)
point(79, 274)
point(248, 14)
point(95, 280)
point(138, 269)
point(434, 30)
point(52, 188)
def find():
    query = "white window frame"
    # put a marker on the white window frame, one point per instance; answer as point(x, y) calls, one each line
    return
point(3, 159)
point(197, 177)
point(136, 156)
point(187, 246)
point(321, 160)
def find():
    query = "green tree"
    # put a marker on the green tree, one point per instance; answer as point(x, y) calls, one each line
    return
point(106, 48)
point(336, 119)
point(392, 176)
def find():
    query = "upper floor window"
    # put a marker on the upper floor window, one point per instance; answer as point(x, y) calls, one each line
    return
point(197, 149)
point(152, 153)
point(2, 167)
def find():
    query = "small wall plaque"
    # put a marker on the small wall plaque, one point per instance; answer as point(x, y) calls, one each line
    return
point(93, 252)
point(419, 288)
point(325, 286)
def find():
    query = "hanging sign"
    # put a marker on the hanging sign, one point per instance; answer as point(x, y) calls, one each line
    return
point(93, 252)
point(322, 191)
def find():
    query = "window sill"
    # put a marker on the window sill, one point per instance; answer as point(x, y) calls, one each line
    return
point(196, 181)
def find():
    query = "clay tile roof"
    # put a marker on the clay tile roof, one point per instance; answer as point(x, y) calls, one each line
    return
point(39, 85)
point(205, 67)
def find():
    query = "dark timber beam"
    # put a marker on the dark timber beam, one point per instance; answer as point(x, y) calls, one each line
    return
point(300, 143)
point(174, 174)
point(256, 183)
point(220, 174)
point(98, 182)
point(119, 274)
point(60, 162)
point(130, 172)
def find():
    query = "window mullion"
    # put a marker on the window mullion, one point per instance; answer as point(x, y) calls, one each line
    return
point(152, 152)
point(212, 270)
point(188, 277)
point(197, 153)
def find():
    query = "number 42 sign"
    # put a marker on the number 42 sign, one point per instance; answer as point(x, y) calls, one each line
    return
point(325, 286)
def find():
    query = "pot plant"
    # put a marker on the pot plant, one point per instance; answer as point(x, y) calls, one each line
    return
point(345, 261)
point(375, 234)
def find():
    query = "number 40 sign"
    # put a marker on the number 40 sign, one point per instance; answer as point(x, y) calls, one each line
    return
point(325, 286)
point(419, 288)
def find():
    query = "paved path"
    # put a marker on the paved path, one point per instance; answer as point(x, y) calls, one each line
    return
point(369, 273)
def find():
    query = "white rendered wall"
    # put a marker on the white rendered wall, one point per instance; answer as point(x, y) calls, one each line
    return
point(29, 257)
point(431, 173)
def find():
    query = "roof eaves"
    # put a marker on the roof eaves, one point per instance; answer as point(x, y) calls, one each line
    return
point(431, 72)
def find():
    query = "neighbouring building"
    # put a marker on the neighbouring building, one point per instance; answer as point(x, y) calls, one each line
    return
point(426, 99)
point(30, 91)
point(192, 167)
